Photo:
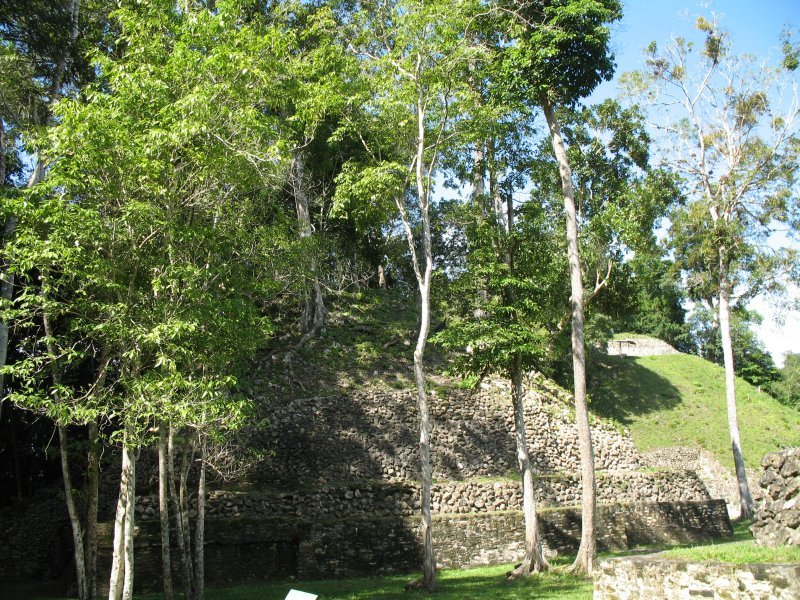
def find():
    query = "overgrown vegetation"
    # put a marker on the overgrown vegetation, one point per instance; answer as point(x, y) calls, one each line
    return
point(211, 205)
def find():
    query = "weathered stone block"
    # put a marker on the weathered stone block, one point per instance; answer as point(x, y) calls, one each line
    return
point(791, 466)
point(777, 520)
point(655, 577)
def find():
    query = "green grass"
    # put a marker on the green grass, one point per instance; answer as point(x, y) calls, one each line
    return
point(480, 583)
point(741, 549)
point(487, 582)
point(679, 400)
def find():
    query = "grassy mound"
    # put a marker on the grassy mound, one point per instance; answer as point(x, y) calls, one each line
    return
point(679, 400)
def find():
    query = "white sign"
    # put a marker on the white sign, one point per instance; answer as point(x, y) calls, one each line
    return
point(297, 595)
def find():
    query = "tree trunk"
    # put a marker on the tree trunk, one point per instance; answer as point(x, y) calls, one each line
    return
point(92, 500)
point(181, 518)
point(6, 295)
point(534, 560)
point(199, 529)
point(314, 313)
point(2, 153)
point(117, 559)
point(130, 514)
point(183, 501)
point(381, 277)
point(587, 550)
point(74, 517)
point(72, 510)
point(746, 499)
point(424, 281)
point(163, 511)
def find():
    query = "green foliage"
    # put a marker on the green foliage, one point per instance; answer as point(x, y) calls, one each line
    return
point(134, 248)
point(752, 361)
point(562, 51)
point(501, 314)
point(645, 296)
point(737, 157)
point(787, 387)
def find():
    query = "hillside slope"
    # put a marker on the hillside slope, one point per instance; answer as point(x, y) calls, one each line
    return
point(679, 400)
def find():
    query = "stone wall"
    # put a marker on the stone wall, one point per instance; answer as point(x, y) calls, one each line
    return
point(639, 346)
point(35, 542)
point(777, 520)
point(338, 491)
point(375, 436)
point(631, 578)
point(458, 497)
point(720, 481)
point(251, 549)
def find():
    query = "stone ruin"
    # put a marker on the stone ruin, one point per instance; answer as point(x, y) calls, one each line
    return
point(777, 521)
point(639, 346)
point(337, 493)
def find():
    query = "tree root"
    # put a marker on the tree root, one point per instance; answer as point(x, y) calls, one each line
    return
point(525, 568)
point(418, 584)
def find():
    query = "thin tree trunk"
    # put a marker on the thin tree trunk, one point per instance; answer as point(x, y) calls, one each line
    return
point(163, 511)
point(130, 518)
point(199, 529)
point(429, 560)
point(745, 498)
point(117, 558)
point(6, 295)
point(92, 500)
point(74, 517)
point(534, 560)
point(72, 510)
point(381, 277)
point(315, 312)
point(587, 550)
point(180, 519)
point(2, 153)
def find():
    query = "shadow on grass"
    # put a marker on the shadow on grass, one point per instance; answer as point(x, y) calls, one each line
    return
point(487, 582)
point(621, 388)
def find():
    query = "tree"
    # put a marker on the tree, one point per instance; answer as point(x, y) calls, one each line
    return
point(414, 57)
point(561, 54)
point(732, 136)
point(502, 316)
point(139, 280)
point(619, 199)
point(787, 388)
point(753, 363)
point(502, 268)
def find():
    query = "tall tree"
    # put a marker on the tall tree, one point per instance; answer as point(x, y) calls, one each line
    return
point(561, 54)
point(496, 284)
point(414, 57)
point(733, 137)
point(134, 259)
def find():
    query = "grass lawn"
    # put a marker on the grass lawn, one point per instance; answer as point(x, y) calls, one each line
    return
point(679, 400)
point(479, 583)
point(489, 582)
point(740, 550)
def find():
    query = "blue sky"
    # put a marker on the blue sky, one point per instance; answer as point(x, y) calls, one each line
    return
point(754, 28)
